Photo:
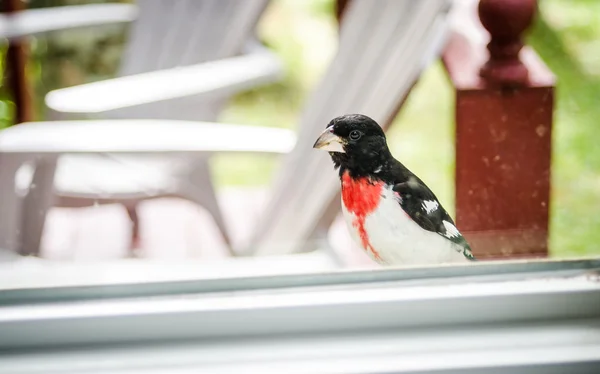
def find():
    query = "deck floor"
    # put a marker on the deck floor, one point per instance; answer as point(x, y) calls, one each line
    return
point(170, 229)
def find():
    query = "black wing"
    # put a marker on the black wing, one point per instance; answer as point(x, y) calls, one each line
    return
point(423, 207)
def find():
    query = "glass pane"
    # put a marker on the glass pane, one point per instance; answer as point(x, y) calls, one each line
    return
point(195, 169)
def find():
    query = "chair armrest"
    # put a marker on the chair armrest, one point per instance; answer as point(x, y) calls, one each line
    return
point(142, 136)
point(222, 77)
point(39, 21)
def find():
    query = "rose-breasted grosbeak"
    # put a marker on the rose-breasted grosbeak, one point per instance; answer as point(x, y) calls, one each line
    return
point(389, 211)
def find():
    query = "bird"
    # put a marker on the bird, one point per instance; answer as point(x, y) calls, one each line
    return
point(390, 213)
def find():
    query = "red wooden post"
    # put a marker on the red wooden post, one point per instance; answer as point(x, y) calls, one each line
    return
point(504, 107)
point(15, 74)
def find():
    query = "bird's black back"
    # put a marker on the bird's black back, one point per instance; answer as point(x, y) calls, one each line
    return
point(414, 197)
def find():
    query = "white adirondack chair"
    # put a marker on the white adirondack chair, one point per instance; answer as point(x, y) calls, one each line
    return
point(181, 62)
point(42, 21)
point(42, 143)
point(34, 22)
point(384, 46)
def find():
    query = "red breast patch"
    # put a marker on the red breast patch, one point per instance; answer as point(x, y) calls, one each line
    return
point(361, 197)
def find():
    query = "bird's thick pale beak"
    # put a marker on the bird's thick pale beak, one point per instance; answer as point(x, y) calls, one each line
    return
point(328, 141)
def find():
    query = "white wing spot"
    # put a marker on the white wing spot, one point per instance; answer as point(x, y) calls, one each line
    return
point(378, 169)
point(430, 205)
point(451, 230)
point(398, 197)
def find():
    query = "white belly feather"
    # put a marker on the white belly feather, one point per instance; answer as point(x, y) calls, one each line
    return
point(398, 240)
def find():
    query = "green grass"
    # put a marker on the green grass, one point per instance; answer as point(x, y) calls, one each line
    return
point(567, 38)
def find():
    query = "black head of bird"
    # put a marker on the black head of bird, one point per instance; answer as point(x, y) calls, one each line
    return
point(355, 143)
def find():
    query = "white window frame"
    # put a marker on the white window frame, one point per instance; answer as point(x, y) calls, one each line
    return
point(522, 317)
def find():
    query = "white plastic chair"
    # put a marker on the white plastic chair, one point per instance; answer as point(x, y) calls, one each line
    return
point(383, 49)
point(44, 20)
point(181, 62)
point(384, 46)
point(36, 22)
point(42, 143)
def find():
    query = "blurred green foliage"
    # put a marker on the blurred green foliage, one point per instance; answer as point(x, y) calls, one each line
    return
point(66, 58)
point(567, 37)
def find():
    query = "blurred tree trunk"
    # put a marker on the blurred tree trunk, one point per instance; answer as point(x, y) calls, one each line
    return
point(15, 69)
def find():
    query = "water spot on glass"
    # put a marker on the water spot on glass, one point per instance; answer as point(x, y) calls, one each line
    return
point(498, 135)
point(540, 130)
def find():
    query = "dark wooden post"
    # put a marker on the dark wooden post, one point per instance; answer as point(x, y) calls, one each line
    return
point(504, 108)
point(340, 6)
point(15, 69)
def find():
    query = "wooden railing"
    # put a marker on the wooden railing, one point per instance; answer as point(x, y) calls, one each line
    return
point(504, 102)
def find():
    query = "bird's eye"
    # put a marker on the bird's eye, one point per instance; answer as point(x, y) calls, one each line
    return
point(355, 135)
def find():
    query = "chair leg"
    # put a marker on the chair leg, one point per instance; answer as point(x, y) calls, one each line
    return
point(135, 243)
point(201, 191)
point(36, 204)
point(10, 202)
